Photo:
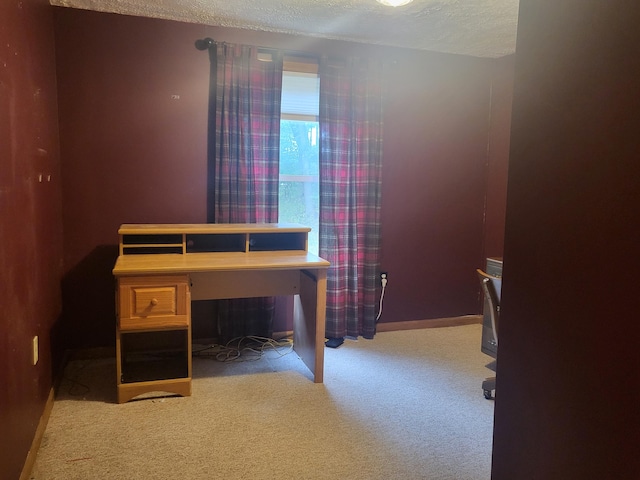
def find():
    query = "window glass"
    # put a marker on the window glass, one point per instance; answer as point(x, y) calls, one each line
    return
point(299, 153)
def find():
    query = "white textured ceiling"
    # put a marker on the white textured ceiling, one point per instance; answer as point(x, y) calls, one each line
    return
point(483, 28)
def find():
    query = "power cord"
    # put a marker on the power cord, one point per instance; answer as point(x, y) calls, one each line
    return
point(383, 280)
point(74, 387)
point(248, 348)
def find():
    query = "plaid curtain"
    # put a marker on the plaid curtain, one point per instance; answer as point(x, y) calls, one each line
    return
point(350, 186)
point(244, 145)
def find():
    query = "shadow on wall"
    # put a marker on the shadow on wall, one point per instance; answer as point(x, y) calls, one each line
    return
point(88, 301)
point(88, 306)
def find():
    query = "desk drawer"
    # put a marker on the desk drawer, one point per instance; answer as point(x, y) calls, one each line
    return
point(153, 303)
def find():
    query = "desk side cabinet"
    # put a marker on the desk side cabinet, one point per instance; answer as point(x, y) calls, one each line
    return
point(153, 335)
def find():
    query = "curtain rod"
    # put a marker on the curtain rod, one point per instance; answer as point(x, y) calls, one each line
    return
point(207, 43)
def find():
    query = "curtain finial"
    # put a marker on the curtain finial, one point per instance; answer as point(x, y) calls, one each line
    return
point(204, 44)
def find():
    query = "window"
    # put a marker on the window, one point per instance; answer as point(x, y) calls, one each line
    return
point(299, 195)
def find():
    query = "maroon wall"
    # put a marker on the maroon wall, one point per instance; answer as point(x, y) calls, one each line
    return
point(131, 153)
point(435, 155)
point(30, 222)
point(498, 156)
point(569, 362)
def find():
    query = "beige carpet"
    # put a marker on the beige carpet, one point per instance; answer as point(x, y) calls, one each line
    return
point(406, 405)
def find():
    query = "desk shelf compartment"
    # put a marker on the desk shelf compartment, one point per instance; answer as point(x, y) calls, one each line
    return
point(222, 242)
point(152, 356)
point(141, 244)
point(267, 242)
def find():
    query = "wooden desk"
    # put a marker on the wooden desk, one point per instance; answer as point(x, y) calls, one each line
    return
point(161, 268)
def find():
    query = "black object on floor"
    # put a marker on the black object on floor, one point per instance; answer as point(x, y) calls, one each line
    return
point(334, 342)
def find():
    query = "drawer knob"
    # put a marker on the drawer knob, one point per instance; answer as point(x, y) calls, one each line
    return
point(154, 301)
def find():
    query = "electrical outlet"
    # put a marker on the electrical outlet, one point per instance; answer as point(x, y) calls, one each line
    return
point(34, 350)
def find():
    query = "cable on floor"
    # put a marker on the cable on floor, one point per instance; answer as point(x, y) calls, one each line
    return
point(248, 348)
point(74, 387)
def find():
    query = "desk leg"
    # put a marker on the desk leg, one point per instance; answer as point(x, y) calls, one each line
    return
point(309, 321)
